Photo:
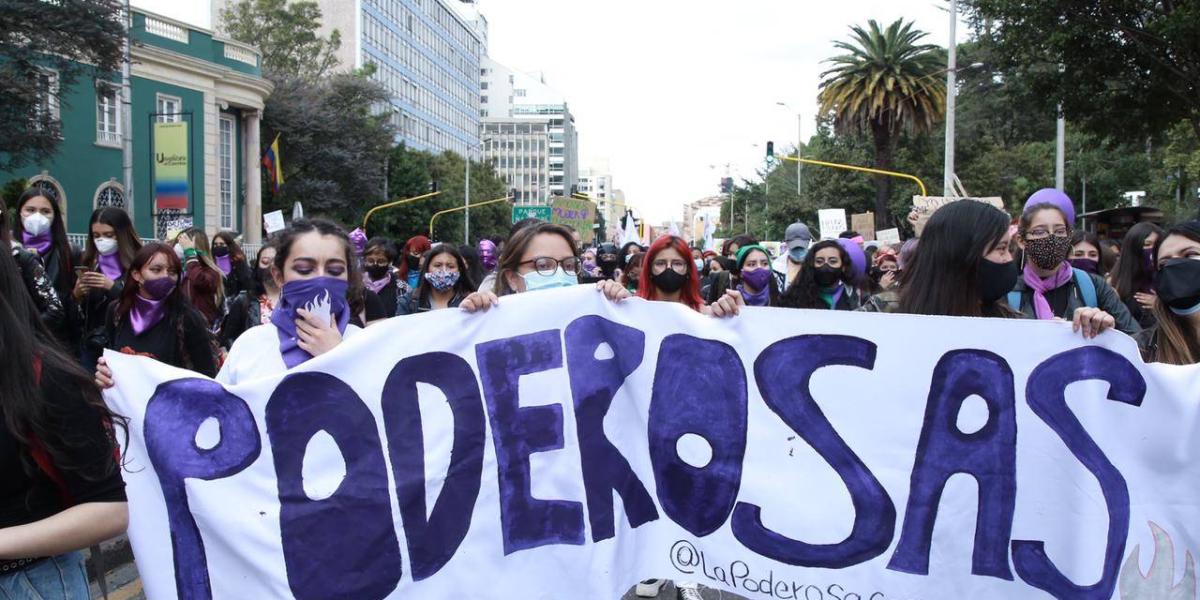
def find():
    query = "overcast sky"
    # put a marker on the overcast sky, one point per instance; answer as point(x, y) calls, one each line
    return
point(665, 89)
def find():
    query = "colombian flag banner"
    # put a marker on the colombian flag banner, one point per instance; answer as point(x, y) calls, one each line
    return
point(171, 166)
point(270, 162)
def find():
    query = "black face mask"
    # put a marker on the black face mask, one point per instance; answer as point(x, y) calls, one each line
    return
point(827, 276)
point(220, 250)
point(607, 267)
point(377, 272)
point(1178, 284)
point(996, 279)
point(414, 262)
point(669, 281)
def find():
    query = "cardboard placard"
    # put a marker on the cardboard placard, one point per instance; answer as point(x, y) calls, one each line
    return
point(888, 236)
point(833, 222)
point(928, 204)
point(864, 224)
point(579, 214)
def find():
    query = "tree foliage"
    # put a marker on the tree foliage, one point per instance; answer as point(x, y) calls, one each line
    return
point(1128, 68)
point(76, 38)
point(884, 84)
point(287, 34)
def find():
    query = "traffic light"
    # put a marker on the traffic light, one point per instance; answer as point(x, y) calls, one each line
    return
point(770, 149)
point(433, 186)
point(512, 193)
point(726, 185)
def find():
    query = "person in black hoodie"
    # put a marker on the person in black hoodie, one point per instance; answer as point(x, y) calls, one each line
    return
point(379, 276)
point(154, 319)
point(61, 490)
point(231, 260)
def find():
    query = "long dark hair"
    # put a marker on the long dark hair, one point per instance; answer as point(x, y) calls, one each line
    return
point(283, 248)
point(58, 234)
point(943, 278)
point(1176, 338)
point(128, 242)
point(474, 267)
point(33, 368)
point(1087, 237)
point(236, 254)
point(805, 292)
point(179, 310)
point(465, 284)
point(1131, 275)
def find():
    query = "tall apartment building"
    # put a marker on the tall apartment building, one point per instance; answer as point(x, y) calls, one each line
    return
point(426, 53)
point(528, 134)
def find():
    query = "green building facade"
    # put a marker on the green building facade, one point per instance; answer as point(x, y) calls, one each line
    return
point(180, 73)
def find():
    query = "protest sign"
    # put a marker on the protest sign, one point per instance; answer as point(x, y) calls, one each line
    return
point(564, 446)
point(929, 204)
point(864, 224)
point(833, 222)
point(579, 214)
point(273, 221)
point(888, 236)
point(520, 213)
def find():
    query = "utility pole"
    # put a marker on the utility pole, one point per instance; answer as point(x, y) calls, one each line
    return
point(467, 203)
point(1060, 151)
point(951, 92)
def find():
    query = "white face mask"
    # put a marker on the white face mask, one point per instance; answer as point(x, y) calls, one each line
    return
point(179, 251)
point(105, 246)
point(36, 224)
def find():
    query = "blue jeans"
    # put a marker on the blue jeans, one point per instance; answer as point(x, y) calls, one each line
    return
point(61, 577)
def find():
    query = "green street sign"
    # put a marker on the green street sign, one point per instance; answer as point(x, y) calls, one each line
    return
point(544, 213)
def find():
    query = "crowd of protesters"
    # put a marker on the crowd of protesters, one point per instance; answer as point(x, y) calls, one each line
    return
point(203, 304)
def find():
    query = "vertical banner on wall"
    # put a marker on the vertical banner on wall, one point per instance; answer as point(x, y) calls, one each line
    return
point(171, 162)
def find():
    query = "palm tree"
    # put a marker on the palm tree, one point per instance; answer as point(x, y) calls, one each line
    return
point(885, 83)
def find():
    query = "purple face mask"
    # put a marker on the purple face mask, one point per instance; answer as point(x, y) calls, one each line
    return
point(160, 288)
point(757, 279)
point(487, 254)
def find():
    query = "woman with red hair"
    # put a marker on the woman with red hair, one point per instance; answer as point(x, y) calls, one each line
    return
point(409, 269)
point(669, 275)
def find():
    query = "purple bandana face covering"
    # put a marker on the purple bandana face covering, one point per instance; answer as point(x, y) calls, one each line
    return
point(147, 312)
point(758, 279)
point(224, 264)
point(40, 242)
point(324, 297)
point(487, 254)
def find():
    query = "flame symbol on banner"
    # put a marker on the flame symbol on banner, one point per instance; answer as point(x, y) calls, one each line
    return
point(1159, 583)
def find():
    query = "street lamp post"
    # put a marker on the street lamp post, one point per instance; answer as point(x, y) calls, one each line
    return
point(799, 149)
point(951, 84)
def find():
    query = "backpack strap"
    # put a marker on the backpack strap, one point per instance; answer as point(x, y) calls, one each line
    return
point(1087, 288)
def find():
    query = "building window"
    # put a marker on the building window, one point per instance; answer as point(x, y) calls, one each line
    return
point(108, 114)
point(483, 85)
point(225, 160)
point(168, 109)
point(110, 193)
point(519, 93)
point(47, 88)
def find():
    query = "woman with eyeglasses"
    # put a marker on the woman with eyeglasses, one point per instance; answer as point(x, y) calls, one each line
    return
point(825, 280)
point(1050, 287)
point(670, 275)
point(444, 282)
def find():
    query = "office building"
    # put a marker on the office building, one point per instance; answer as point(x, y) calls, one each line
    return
point(529, 134)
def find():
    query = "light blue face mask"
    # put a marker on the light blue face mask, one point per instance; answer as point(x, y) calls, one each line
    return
point(797, 254)
point(535, 281)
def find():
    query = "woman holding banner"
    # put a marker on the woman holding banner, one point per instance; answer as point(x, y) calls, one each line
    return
point(1050, 287)
point(824, 282)
point(753, 278)
point(1175, 339)
point(62, 490)
point(669, 275)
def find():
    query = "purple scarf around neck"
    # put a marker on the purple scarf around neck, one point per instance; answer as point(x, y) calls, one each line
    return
point(41, 243)
point(1041, 306)
point(110, 265)
point(376, 284)
point(224, 264)
point(762, 298)
point(145, 313)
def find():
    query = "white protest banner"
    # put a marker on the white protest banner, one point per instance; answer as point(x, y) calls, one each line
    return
point(564, 446)
point(273, 221)
point(888, 236)
point(833, 222)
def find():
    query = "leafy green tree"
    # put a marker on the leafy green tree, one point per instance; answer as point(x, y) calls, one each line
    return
point(287, 34)
point(333, 144)
point(885, 84)
point(1127, 68)
point(82, 38)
